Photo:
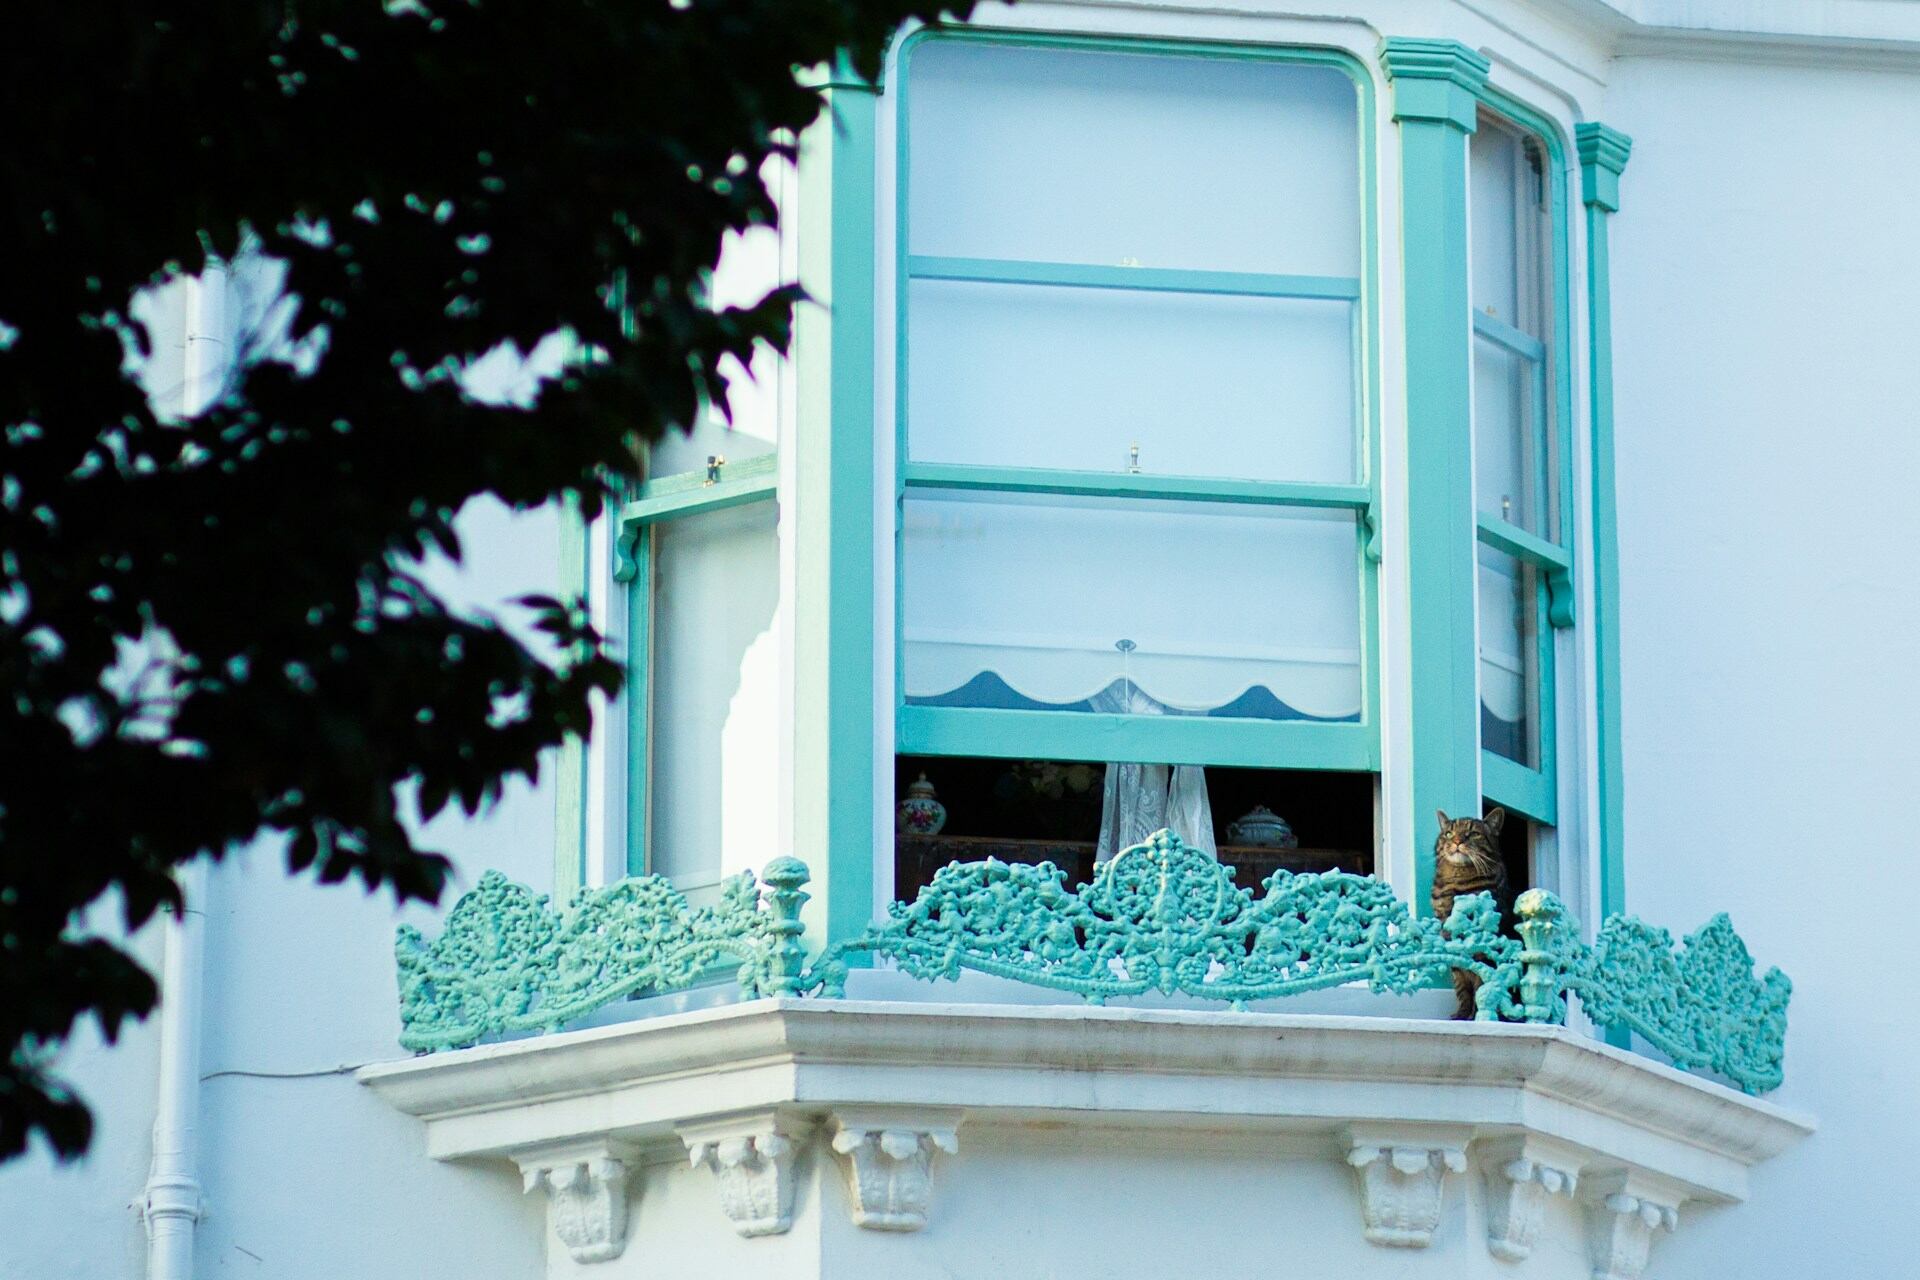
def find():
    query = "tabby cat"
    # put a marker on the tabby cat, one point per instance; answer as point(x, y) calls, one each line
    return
point(1466, 859)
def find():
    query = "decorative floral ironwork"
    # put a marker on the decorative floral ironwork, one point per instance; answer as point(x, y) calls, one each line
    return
point(1164, 917)
point(507, 961)
point(1701, 1006)
point(1161, 918)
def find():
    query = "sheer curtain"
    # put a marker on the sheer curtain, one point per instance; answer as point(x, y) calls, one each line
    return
point(1142, 798)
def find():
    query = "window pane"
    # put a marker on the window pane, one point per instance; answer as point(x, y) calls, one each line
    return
point(713, 745)
point(1508, 468)
point(752, 264)
point(1128, 605)
point(1045, 376)
point(1499, 178)
point(1511, 301)
point(1509, 658)
point(1076, 156)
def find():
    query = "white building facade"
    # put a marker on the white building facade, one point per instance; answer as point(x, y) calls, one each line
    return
point(1358, 410)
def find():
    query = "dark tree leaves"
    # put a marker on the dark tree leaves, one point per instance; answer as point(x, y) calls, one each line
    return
point(439, 177)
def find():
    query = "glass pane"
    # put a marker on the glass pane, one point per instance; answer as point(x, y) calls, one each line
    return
point(713, 744)
point(1065, 155)
point(1152, 607)
point(1043, 376)
point(752, 264)
point(1509, 658)
point(1499, 172)
point(1509, 472)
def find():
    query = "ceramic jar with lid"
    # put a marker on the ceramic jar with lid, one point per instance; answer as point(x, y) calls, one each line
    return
point(920, 814)
point(1262, 828)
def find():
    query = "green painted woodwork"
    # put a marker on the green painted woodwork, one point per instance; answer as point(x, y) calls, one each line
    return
point(1517, 542)
point(835, 709)
point(571, 792)
point(1518, 341)
point(1603, 155)
point(1439, 88)
point(1435, 87)
point(1437, 82)
point(675, 497)
point(1515, 787)
point(1501, 781)
point(1124, 484)
point(634, 556)
point(1146, 279)
point(507, 962)
point(1102, 736)
point(1555, 562)
point(1603, 158)
point(1164, 918)
point(689, 492)
point(1160, 918)
point(1701, 1006)
point(1155, 739)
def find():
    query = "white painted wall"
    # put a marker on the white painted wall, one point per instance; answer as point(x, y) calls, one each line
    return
point(1768, 447)
point(304, 1174)
point(1769, 443)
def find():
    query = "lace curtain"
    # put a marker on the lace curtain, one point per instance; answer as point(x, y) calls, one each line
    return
point(1140, 799)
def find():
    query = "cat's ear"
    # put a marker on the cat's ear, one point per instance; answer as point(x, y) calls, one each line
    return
point(1445, 821)
point(1496, 818)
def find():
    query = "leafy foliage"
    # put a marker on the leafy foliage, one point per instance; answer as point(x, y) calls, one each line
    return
point(438, 177)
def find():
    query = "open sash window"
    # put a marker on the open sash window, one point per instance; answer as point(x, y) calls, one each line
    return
point(1137, 490)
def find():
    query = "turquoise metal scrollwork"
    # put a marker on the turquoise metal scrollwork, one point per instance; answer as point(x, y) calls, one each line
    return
point(1163, 917)
point(1701, 1006)
point(1160, 918)
point(508, 962)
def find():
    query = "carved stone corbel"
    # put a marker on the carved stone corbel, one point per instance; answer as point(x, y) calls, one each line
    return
point(1402, 1176)
point(889, 1163)
point(1624, 1212)
point(1521, 1173)
point(586, 1198)
point(752, 1162)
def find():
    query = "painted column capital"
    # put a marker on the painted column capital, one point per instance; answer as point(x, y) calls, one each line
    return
point(1603, 156)
point(1434, 80)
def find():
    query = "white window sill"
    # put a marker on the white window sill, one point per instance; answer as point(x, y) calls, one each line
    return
point(1540, 1124)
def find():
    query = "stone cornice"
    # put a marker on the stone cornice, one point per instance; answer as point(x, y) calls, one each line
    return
point(1603, 157)
point(635, 1083)
point(1434, 80)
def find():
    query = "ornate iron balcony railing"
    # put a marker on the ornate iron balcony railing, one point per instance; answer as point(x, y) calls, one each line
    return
point(1161, 918)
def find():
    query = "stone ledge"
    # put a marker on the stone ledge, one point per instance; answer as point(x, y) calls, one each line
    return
point(634, 1083)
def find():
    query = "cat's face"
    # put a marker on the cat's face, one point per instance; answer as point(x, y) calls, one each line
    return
point(1470, 839)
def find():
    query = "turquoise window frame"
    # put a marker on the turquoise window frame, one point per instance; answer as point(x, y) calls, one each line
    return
point(660, 501)
point(1534, 793)
point(968, 731)
point(1439, 89)
point(1603, 155)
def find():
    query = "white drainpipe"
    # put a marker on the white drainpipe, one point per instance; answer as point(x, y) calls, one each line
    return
point(172, 1206)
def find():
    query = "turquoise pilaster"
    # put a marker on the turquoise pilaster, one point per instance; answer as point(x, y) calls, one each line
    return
point(1603, 156)
point(833, 517)
point(1435, 101)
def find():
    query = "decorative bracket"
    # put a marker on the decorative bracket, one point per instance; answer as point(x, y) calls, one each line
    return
point(626, 551)
point(889, 1162)
point(586, 1198)
point(1520, 1174)
point(1402, 1176)
point(1625, 1211)
point(752, 1162)
point(1560, 597)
